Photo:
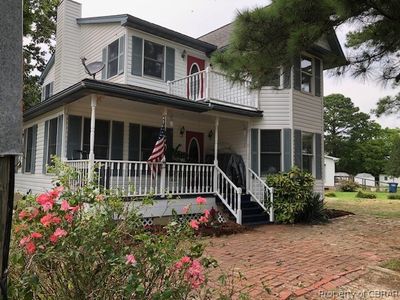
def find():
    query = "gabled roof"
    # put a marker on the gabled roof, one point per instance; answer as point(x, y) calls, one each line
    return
point(221, 38)
point(142, 25)
point(129, 92)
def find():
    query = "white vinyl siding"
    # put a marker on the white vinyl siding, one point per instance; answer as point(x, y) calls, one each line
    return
point(308, 112)
point(180, 63)
point(94, 38)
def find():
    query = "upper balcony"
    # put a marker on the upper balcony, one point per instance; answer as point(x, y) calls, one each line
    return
point(213, 86)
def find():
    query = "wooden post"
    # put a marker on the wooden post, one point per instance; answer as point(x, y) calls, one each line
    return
point(7, 176)
point(93, 103)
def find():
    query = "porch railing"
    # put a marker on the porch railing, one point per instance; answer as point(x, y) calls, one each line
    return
point(210, 85)
point(261, 192)
point(229, 194)
point(140, 178)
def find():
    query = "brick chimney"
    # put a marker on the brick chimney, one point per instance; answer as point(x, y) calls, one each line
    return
point(67, 61)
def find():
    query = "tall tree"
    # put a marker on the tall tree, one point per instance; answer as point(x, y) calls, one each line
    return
point(39, 33)
point(388, 105)
point(360, 143)
point(393, 164)
point(269, 37)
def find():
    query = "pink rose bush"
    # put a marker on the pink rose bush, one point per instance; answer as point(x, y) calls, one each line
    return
point(80, 242)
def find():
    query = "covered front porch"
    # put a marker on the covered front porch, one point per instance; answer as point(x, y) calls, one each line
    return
point(115, 137)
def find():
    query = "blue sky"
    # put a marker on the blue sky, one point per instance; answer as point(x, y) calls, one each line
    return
point(197, 17)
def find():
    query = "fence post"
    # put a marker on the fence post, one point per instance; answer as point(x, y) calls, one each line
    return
point(271, 208)
point(239, 206)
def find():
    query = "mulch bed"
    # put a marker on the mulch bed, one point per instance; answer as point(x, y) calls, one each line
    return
point(217, 229)
point(336, 213)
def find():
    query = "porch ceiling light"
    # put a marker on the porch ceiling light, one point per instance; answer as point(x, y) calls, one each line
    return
point(182, 131)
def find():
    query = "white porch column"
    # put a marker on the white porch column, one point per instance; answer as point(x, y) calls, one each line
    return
point(216, 151)
point(93, 104)
point(64, 136)
point(163, 165)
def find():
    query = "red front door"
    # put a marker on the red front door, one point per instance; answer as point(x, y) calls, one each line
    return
point(195, 88)
point(195, 146)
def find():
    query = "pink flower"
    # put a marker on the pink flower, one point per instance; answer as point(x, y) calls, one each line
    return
point(34, 213)
point(23, 214)
point(55, 193)
point(24, 240)
point(69, 217)
point(201, 200)
point(186, 259)
point(207, 213)
point(30, 248)
point(64, 205)
point(46, 201)
point(130, 260)
point(203, 219)
point(49, 219)
point(194, 274)
point(74, 209)
point(194, 224)
point(57, 234)
point(36, 235)
point(186, 209)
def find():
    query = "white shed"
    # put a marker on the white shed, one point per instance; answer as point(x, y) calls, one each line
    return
point(329, 162)
point(365, 179)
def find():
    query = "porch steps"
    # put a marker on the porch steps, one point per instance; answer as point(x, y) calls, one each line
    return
point(252, 213)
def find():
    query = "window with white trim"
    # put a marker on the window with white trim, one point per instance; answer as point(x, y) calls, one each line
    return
point(307, 152)
point(29, 146)
point(113, 57)
point(153, 59)
point(307, 74)
point(47, 90)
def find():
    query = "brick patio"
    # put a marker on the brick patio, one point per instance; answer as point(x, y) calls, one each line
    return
point(300, 261)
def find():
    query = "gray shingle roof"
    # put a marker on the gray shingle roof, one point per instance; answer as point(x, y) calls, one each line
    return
point(219, 37)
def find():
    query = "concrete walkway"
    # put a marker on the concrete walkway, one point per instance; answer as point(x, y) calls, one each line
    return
point(285, 262)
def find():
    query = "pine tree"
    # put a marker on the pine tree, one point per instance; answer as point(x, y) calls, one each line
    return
point(393, 164)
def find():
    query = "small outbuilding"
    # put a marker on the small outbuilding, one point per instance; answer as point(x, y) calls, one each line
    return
point(330, 162)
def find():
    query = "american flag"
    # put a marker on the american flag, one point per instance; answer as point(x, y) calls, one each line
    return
point(158, 153)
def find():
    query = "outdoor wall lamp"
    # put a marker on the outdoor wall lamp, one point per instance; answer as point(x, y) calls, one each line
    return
point(183, 54)
point(210, 134)
point(182, 131)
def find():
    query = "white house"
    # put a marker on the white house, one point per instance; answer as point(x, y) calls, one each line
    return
point(150, 72)
point(329, 163)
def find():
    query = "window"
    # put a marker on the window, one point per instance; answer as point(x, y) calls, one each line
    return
point(153, 60)
point(307, 151)
point(113, 58)
point(149, 138)
point(101, 139)
point(30, 146)
point(306, 74)
point(52, 140)
point(270, 151)
point(47, 91)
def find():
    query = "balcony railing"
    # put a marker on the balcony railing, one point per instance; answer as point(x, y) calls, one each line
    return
point(209, 85)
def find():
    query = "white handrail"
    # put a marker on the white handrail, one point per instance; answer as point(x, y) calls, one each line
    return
point(261, 192)
point(229, 194)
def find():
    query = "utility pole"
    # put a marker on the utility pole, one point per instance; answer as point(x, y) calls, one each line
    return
point(11, 63)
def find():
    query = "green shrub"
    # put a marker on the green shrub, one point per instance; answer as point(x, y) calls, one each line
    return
point(330, 194)
point(348, 186)
point(394, 196)
point(313, 212)
point(293, 195)
point(365, 195)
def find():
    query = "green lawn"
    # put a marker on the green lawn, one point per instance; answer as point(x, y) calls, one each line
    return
point(380, 207)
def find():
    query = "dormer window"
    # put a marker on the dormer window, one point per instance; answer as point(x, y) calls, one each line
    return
point(113, 57)
point(47, 90)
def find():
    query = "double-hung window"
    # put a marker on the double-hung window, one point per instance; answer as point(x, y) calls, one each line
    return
point(113, 58)
point(270, 151)
point(30, 145)
point(52, 140)
point(153, 59)
point(47, 90)
point(307, 151)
